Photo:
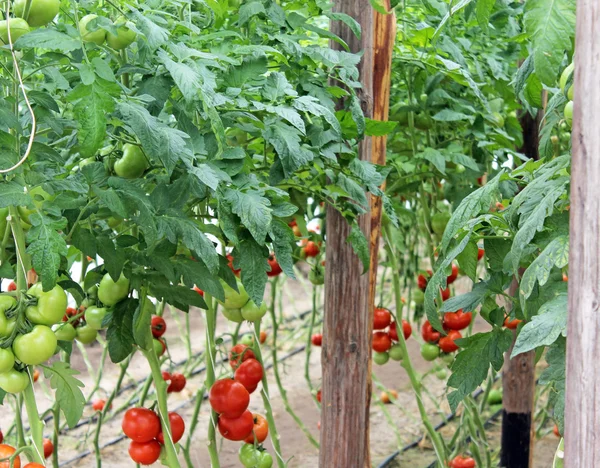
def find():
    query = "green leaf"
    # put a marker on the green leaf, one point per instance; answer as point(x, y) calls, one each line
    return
point(554, 376)
point(483, 10)
point(434, 157)
point(195, 273)
point(252, 259)
point(283, 244)
point(357, 115)
point(551, 27)
point(495, 252)
point(113, 259)
point(360, 245)
point(47, 38)
point(142, 322)
point(545, 327)
point(472, 364)
point(379, 128)
point(186, 78)
point(68, 392)
point(468, 301)
point(178, 296)
point(467, 260)
point(348, 21)
point(13, 194)
point(46, 247)
point(120, 330)
point(447, 115)
point(254, 211)
point(286, 141)
point(248, 10)
point(379, 6)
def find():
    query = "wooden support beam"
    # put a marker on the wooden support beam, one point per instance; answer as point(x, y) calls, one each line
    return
point(582, 408)
point(349, 295)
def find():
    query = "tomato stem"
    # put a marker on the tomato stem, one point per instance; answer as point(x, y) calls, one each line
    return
point(311, 326)
point(211, 350)
point(36, 426)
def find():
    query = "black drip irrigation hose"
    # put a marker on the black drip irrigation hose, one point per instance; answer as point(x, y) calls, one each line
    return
point(116, 440)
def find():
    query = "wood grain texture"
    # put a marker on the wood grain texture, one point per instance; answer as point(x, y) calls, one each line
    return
point(349, 295)
point(582, 410)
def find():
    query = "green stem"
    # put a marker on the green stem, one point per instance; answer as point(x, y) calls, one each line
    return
point(188, 443)
point(19, 420)
point(311, 326)
point(36, 426)
point(211, 351)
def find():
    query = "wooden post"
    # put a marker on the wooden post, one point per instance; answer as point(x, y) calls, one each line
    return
point(582, 414)
point(349, 295)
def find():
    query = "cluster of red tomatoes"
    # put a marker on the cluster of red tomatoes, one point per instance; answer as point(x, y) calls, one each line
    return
point(385, 343)
point(158, 327)
point(7, 451)
point(143, 427)
point(434, 341)
point(230, 399)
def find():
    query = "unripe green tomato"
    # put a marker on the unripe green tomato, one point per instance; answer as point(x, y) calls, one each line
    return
point(7, 360)
point(96, 36)
point(92, 294)
point(396, 352)
point(569, 113)
point(430, 352)
point(86, 334)
point(124, 37)
point(247, 339)
point(423, 122)
point(252, 312)
point(14, 381)
point(50, 307)
point(316, 275)
point(233, 315)
point(418, 296)
point(114, 222)
point(35, 347)
point(41, 12)
point(6, 303)
point(132, 164)
point(111, 292)
point(494, 397)
point(94, 317)
point(439, 221)
point(441, 374)
point(498, 119)
point(448, 359)
point(234, 300)
point(18, 27)
point(64, 331)
point(159, 347)
point(571, 93)
point(381, 358)
point(10, 326)
point(564, 77)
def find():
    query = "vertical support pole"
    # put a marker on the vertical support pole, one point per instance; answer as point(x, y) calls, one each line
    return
point(349, 295)
point(582, 417)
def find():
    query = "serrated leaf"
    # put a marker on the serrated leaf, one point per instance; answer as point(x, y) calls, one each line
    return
point(253, 209)
point(554, 376)
point(283, 244)
point(467, 260)
point(120, 330)
point(495, 252)
point(178, 296)
point(46, 247)
point(248, 10)
point(360, 245)
point(196, 273)
point(468, 301)
point(68, 392)
point(13, 194)
point(483, 9)
point(252, 259)
point(47, 38)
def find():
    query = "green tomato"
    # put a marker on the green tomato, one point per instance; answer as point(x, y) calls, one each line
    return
point(132, 164)
point(571, 93)
point(50, 307)
point(448, 359)
point(423, 122)
point(439, 222)
point(441, 374)
point(564, 77)
point(569, 113)
point(41, 12)
point(6, 303)
point(252, 457)
point(3, 221)
point(430, 352)
point(316, 275)
point(233, 315)
point(86, 334)
point(498, 119)
point(35, 347)
point(14, 381)
point(418, 296)
point(7, 360)
point(18, 27)
point(64, 331)
point(494, 397)
point(159, 347)
point(247, 339)
point(114, 222)
point(111, 292)
point(252, 312)
point(396, 352)
point(94, 317)
point(10, 326)
point(496, 105)
point(381, 358)
point(124, 37)
point(234, 300)
point(96, 36)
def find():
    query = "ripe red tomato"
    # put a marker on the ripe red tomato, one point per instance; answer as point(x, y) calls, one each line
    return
point(480, 254)
point(319, 396)
point(229, 398)
point(429, 334)
point(461, 461)
point(263, 337)
point(99, 404)
point(141, 424)
point(275, 267)
point(259, 431)
point(159, 326)
point(177, 384)
point(445, 294)
point(317, 339)
point(144, 453)
point(447, 343)
point(381, 318)
point(48, 448)
point(71, 312)
point(199, 291)
point(6, 451)
point(457, 320)
point(236, 428)
point(422, 282)
point(33, 465)
point(556, 431)
point(311, 249)
point(12, 286)
point(452, 278)
point(240, 353)
point(230, 264)
point(511, 324)
point(177, 425)
point(381, 342)
point(1, 437)
point(249, 374)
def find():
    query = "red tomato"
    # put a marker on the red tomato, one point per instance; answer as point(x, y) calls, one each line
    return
point(141, 424)
point(447, 343)
point(199, 291)
point(1, 437)
point(317, 339)
point(275, 267)
point(292, 223)
point(144, 453)
point(429, 334)
point(33, 465)
point(71, 312)
point(480, 254)
point(99, 404)
point(511, 324)
point(319, 396)
point(461, 461)
point(381, 318)
point(240, 353)
point(311, 249)
point(230, 264)
point(236, 428)
point(381, 342)
point(249, 374)
point(263, 337)
point(422, 282)
point(457, 320)
point(229, 398)
point(159, 326)
point(259, 431)
point(565, 278)
point(556, 431)
point(445, 294)
point(452, 278)
point(406, 330)
point(177, 425)
point(36, 375)
point(6, 451)
point(12, 286)
point(48, 448)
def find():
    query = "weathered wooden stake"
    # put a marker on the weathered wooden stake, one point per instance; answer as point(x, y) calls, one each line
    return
point(582, 409)
point(349, 295)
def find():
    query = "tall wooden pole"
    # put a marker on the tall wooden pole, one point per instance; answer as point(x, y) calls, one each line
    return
point(582, 409)
point(349, 295)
